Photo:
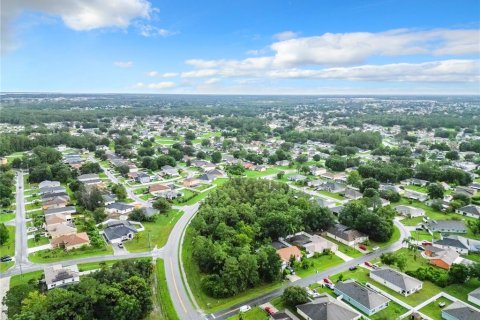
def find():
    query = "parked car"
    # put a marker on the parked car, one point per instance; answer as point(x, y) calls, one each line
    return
point(420, 248)
point(120, 245)
point(375, 248)
point(374, 266)
point(329, 285)
point(352, 268)
point(5, 259)
point(269, 311)
point(326, 280)
point(368, 264)
point(245, 308)
point(363, 247)
point(426, 243)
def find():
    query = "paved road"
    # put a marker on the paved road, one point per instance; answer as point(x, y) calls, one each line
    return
point(21, 246)
point(314, 278)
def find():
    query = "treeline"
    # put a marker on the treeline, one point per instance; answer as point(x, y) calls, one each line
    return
point(234, 228)
point(7, 182)
point(10, 143)
point(472, 145)
point(340, 137)
point(122, 291)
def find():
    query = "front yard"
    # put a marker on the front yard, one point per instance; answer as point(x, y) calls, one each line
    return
point(319, 263)
point(8, 248)
point(45, 256)
point(156, 232)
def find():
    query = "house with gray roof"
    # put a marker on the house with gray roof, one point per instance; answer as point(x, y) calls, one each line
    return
point(397, 281)
point(361, 297)
point(470, 210)
point(58, 276)
point(352, 193)
point(460, 311)
point(327, 308)
point(346, 235)
point(117, 231)
point(453, 226)
point(48, 184)
point(457, 243)
point(409, 211)
point(64, 210)
point(119, 208)
point(474, 296)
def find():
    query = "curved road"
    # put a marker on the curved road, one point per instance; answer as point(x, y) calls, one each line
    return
point(180, 293)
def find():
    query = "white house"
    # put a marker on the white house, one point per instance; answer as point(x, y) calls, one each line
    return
point(397, 281)
point(58, 276)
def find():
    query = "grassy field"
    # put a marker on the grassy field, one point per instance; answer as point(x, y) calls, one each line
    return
point(159, 232)
point(259, 174)
point(195, 199)
point(331, 194)
point(349, 251)
point(31, 242)
point(4, 217)
point(8, 248)
point(433, 310)
point(254, 314)
point(95, 265)
point(24, 278)
point(45, 256)
point(319, 264)
point(165, 310)
point(417, 188)
point(194, 277)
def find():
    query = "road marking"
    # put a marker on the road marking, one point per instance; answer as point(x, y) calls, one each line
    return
point(176, 288)
point(221, 315)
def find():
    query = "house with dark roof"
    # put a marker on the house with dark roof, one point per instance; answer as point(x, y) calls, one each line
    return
point(64, 210)
point(49, 190)
point(361, 297)
point(58, 276)
point(470, 210)
point(119, 208)
point(474, 296)
point(460, 311)
point(117, 231)
point(352, 193)
point(453, 226)
point(397, 281)
point(346, 235)
point(457, 243)
point(142, 177)
point(327, 308)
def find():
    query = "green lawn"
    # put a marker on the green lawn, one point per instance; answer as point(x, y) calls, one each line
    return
point(95, 265)
point(45, 256)
point(349, 251)
point(159, 232)
point(433, 310)
point(24, 278)
point(4, 217)
point(331, 194)
point(31, 206)
point(395, 236)
point(31, 242)
point(8, 248)
point(319, 264)
point(4, 266)
point(473, 256)
point(254, 314)
point(195, 199)
point(424, 235)
point(259, 174)
point(417, 188)
point(165, 310)
point(220, 181)
point(194, 277)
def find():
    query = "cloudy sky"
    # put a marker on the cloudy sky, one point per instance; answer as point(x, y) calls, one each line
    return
point(246, 47)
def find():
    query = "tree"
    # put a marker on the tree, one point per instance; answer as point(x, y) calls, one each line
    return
point(354, 179)
point(162, 205)
point(190, 135)
point(4, 235)
point(458, 273)
point(216, 157)
point(452, 155)
point(123, 169)
point(295, 295)
point(280, 175)
point(388, 258)
point(377, 228)
point(336, 163)
point(120, 191)
point(99, 215)
point(401, 262)
point(89, 198)
point(90, 167)
point(351, 211)
point(139, 215)
point(435, 191)
point(369, 183)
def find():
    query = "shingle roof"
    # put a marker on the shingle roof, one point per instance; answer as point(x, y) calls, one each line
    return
point(327, 308)
point(452, 241)
point(396, 278)
point(461, 311)
point(362, 294)
point(118, 229)
point(471, 209)
point(475, 293)
point(439, 225)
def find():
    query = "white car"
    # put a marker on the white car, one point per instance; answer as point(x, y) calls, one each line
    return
point(375, 248)
point(245, 308)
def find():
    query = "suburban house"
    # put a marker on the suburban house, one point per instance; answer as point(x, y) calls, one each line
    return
point(50, 190)
point(361, 297)
point(58, 276)
point(352, 193)
point(191, 182)
point(469, 192)
point(458, 243)
point(455, 226)
point(297, 177)
point(119, 208)
point(118, 231)
point(316, 171)
point(442, 258)
point(333, 187)
point(327, 308)
point(346, 235)
point(410, 194)
point(325, 202)
point(311, 243)
point(108, 199)
point(409, 211)
point(460, 311)
point(286, 253)
point(280, 316)
point(59, 229)
point(51, 196)
point(171, 194)
point(282, 163)
point(142, 177)
point(71, 241)
point(474, 296)
point(157, 189)
point(57, 202)
point(90, 179)
point(470, 210)
point(48, 184)
point(169, 171)
point(65, 210)
point(397, 281)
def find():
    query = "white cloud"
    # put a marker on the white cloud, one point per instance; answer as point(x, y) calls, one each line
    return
point(286, 35)
point(148, 30)
point(123, 64)
point(162, 75)
point(156, 86)
point(211, 81)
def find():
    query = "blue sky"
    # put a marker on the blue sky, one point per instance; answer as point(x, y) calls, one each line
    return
point(247, 47)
